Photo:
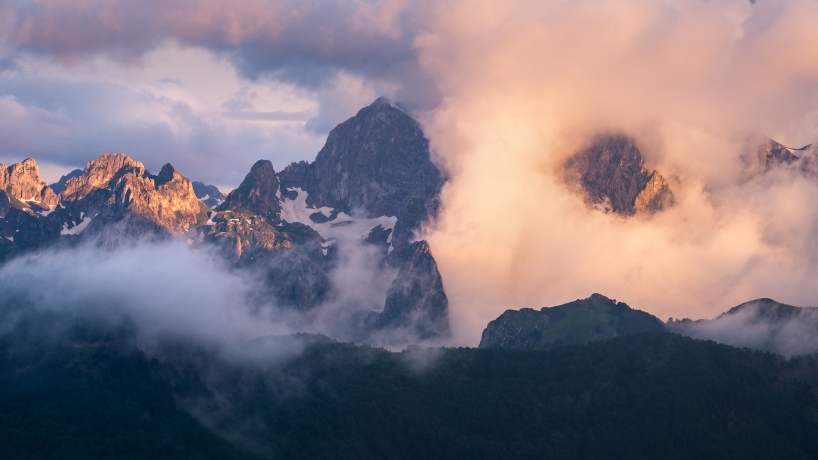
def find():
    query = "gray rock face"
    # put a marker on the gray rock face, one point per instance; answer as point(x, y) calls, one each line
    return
point(517, 329)
point(376, 163)
point(612, 174)
point(258, 192)
point(584, 320)
point(210, 195)
point(416, 300)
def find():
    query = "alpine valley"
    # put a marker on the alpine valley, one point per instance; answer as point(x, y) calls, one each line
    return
point(333, 250)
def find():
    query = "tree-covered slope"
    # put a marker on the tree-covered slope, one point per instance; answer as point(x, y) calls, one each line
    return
point(644, 395)
point(583, 320)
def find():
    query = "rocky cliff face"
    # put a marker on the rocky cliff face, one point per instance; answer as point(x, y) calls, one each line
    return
point(116, 188)
point(60, 184)
point(22, 182)
point(25, 201)
point(594, 318)
point(416, 301)
point(612, 174)
point(377, 163)
point(770, 155)
point(258, 192)
point(210, 195)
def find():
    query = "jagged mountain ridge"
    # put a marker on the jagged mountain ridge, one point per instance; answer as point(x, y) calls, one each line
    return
point(210, 195)
point(387, 186)
point(60, 184)
point(374, 179)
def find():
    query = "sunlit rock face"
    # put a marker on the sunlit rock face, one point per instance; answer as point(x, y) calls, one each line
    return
point(25, 201)
point(22, 181)
point(611, 173)
point(117, 189)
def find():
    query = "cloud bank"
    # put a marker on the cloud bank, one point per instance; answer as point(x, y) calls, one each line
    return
point(527, 83)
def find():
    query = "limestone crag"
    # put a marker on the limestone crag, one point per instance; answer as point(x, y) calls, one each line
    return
point(243, 234)
point(114, 187)
point(655, 196)
point(517, 329)
point(60, 184)
point(22, 181)
point(612, 174)
point(100, 173)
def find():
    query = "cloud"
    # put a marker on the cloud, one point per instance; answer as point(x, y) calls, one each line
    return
point(304, 42)
point(166, 289)
point(69, 123)
point(788, 335)
point(525, 84)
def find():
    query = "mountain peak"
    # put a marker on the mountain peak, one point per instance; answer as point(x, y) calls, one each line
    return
point(595, 318)
point(612, 173)
point(99, 173)
point(258, 192)
point(22, 181)
point(263, 164)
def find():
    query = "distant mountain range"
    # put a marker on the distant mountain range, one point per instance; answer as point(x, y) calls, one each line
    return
point(372, 185)
point(762, 324)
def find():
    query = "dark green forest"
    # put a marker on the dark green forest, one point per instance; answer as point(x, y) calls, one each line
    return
point(644, 395)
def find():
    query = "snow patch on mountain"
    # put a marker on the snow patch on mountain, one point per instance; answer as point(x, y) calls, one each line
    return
point(343, 226)
point(77, 229)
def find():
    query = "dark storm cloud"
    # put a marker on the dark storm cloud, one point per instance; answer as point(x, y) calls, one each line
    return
point(305, 42)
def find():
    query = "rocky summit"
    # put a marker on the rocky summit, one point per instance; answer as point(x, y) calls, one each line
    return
point(210, 195)
point(584, 320)
point(611, 173)
point(115, 189)
point(377, 163)
point(771, 155)
point(372, 185)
